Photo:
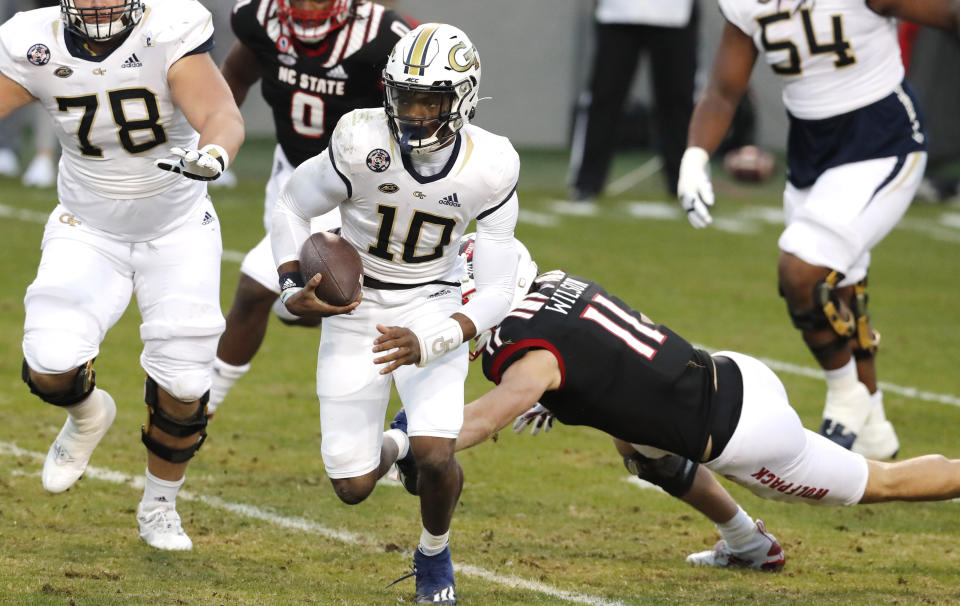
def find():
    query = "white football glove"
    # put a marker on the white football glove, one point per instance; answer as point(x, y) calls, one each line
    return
point(538, 418)
point(694, 187)
point(204, 164)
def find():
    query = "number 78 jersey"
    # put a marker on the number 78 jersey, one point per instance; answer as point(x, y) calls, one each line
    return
point(113, 113)
point(834, 55)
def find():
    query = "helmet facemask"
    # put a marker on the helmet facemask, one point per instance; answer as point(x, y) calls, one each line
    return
point(422, 118)
point(100, 24)
point(311, 26)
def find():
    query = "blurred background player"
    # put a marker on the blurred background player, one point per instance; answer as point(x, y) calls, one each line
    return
point(408, 178)
point(855, 158)
point(317, 60)
point(123, 227)
point(667, 31)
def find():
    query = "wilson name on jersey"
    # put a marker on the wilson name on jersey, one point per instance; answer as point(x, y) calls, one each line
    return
point(834, 55)
point(113, 113)
point(621, 373)
point(403, 223)
point(309, 89)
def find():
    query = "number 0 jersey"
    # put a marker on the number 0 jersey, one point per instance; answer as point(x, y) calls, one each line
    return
point(834, 55)
point(308, 89)
point(620, 372)
point(114, 114)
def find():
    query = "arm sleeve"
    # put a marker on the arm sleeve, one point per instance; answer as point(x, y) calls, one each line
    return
point(193, 36)
point(9, 66)
point(315, 188)
point(494, 266)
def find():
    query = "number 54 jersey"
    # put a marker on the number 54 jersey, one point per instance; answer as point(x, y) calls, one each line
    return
point(113, 113)
point(835, 55)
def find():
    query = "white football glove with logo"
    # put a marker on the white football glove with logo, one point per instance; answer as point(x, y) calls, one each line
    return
point(538, 418)
point(694, 187)
point(204, 164)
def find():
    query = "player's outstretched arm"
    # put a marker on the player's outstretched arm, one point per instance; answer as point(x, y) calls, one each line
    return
point(521, 387)
point(711, 118)
point(203, 96)
point(942, 14)
point(12, 96)
point(241, 69)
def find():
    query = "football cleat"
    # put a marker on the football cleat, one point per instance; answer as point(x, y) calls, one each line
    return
point(69, 454)
point(161, 528)
point(845, 414)
point(768, 556)
point(434, 578)
point(407, 466)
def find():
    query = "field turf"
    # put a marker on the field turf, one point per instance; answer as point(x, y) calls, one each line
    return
point(545, 520)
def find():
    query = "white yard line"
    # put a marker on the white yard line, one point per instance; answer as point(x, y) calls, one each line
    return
point(304, 525)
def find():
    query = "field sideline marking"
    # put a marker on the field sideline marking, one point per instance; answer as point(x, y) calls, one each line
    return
point(795, 369)
point(309, 526)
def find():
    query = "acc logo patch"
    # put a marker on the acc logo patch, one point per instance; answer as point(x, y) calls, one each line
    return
point(378, 160)
point(63, 72)
point(389, 188)
point(38, 54)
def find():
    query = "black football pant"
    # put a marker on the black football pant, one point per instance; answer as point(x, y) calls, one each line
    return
point(673, 63)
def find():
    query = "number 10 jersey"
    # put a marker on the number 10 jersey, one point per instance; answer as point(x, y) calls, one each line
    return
point(113, 113)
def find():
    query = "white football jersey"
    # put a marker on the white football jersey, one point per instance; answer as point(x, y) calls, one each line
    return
point(835, 55)
point(405, 226)
point(113, 113)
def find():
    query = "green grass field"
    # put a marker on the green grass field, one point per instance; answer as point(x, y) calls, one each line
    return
point(548, 520)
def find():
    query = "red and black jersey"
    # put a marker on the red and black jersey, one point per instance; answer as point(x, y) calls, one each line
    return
point(621, 373)
point(310, 88)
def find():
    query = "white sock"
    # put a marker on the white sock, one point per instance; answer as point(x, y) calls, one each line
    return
point(431, 544)
point(400, 439)
point(842, 379)
point(160, 493)
point(224, 376)
point(877, 414)
point(740, 531)
point(86, 413)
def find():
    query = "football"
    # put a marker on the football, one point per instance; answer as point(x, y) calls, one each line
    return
point(338, 262)
point(749, 163)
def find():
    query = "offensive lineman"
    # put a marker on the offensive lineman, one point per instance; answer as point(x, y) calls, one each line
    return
point(123, 81)
point(317, 60)
point(408, 179)
point(590, 359)
point(855, 158)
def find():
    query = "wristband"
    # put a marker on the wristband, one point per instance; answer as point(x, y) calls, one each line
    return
point(216, 151)
point(289, 292)
point(439, 340)
point(291, 279)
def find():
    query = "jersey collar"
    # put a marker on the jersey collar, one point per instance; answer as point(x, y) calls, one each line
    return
point(454, 155)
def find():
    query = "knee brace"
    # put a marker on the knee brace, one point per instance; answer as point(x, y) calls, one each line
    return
point(867, 340)
point(825, 314)
point(672, 473)
point(83, 384)
point(180, 428)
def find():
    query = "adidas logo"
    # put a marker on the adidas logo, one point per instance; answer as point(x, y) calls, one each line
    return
point(450, 200)
point(207, 219)
point(287, 283)
point(338, 73)
point(132, 61)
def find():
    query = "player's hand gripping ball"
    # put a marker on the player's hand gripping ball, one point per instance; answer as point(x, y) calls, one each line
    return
point(338, 262)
